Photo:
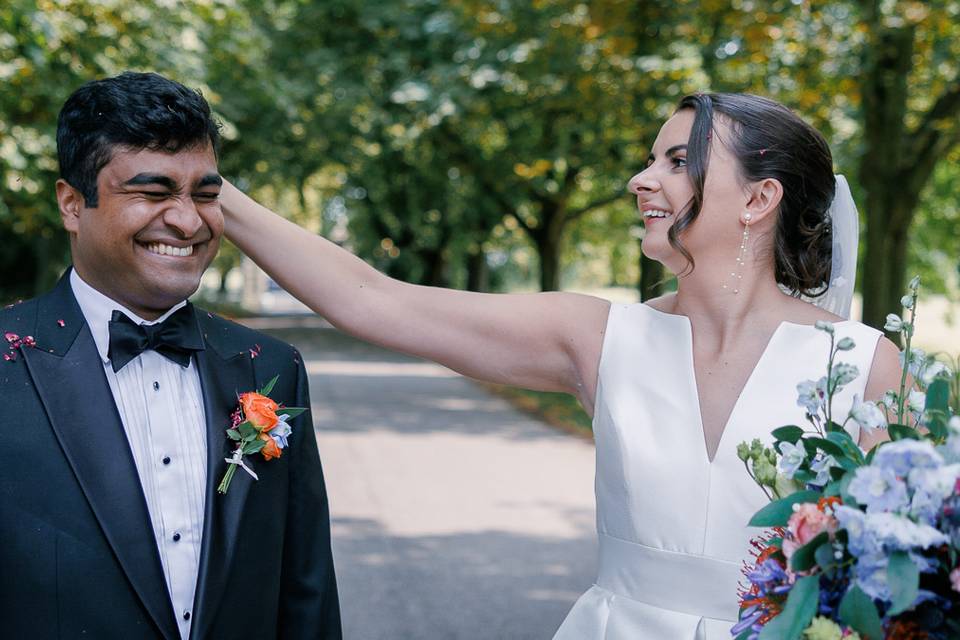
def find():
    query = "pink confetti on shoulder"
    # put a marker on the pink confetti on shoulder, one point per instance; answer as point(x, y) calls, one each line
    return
point(11, 337)
point(255, 351)
point(10, 357)
point(61, 323)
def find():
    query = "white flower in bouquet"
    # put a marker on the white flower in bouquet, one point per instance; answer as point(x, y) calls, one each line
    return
point(811, 395)
point(894, 323)
point(843, 374)
point(867, 414)
point(791, 457)
point(821, 466)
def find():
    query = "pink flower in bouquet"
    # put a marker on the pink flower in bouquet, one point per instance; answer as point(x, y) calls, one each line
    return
point(807, 522)
point(955, 579)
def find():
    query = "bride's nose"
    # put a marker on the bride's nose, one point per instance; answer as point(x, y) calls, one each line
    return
point(643, 182)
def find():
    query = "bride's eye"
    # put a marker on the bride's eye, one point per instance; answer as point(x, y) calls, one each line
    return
point(679, 162)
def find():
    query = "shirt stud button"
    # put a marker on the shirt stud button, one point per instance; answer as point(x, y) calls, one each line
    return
point(166, 460)
point(186, 615)
point(176, 537)
point(156, 386)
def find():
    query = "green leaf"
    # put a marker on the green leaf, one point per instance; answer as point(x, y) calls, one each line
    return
point(796, 615)
point(845, 496)
point(803, 559)
point(233, 434)
point(859, 612)
point(850, 448)
point(254, 447)
point(832, 488)
point(293, 412)
point(790, 433)
point(824, 557)
point(246, 430)
point(938, 396)
point(833, 427)
point(936, 423)
point(778, 512)
point(902, 431)
point(903, 578)
point(269, 386)
point(827, 446)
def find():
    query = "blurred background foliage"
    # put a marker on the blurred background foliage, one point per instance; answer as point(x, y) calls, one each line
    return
point(486, 145)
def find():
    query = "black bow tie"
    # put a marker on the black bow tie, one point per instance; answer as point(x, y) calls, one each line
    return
point(176, 338)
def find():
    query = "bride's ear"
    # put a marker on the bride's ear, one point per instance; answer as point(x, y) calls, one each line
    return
point(765, 196)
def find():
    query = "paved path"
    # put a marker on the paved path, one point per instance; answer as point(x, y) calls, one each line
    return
point(454, 516)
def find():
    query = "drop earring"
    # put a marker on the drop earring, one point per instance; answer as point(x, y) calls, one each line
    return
point(741, 255)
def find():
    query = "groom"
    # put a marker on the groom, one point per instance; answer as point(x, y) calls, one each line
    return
point(116, 394)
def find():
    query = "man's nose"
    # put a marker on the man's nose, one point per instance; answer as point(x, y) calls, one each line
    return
point(184, 217)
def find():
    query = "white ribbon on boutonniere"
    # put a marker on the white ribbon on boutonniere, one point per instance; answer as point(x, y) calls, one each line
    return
point(238, 459)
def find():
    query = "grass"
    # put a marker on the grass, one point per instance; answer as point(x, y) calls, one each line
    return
point(557, 409)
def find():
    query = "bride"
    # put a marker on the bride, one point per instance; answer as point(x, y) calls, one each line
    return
point(736, 200)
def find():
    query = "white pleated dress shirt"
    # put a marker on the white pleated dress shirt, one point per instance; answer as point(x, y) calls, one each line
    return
point(161, 407)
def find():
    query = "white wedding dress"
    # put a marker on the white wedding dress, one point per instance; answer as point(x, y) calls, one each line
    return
point(671, 522)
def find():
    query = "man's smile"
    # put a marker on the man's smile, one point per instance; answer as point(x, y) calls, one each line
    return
point(168, 250)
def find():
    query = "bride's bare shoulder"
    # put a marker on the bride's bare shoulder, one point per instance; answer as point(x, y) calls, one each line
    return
point(802, 312)
point(665, 303)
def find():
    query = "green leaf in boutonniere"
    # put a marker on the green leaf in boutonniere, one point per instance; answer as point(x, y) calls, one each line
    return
point(233, 434)
point(246, 430)
point(269, 386)
point(292, 413)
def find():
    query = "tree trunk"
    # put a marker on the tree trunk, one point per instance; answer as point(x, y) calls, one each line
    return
point(891, 195)
point(651, 278)
point(436, 268)
point(478, 273)
point(547, 239)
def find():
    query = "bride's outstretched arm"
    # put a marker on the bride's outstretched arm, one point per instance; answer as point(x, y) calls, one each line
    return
point(547, 341)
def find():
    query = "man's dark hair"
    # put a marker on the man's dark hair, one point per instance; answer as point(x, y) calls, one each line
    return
point(132, 111)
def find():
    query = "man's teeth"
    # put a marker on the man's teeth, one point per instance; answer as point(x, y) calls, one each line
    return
point(167, 250)
point(656, 213)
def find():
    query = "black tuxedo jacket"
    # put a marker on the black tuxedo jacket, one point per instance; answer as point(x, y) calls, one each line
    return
point(78, 556)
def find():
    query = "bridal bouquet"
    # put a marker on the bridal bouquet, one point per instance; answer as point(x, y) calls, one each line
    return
point(859, 545)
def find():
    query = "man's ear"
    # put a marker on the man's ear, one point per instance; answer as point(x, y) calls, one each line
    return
point(71, 203)
point(765, 197)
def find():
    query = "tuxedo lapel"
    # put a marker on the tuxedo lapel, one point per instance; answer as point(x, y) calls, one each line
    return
point(68, 375)
point(223, 375)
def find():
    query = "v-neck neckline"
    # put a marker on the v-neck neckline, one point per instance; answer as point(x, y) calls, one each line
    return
point(695, 386)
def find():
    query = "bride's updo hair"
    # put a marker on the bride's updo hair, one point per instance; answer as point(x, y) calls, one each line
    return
point(770, 141)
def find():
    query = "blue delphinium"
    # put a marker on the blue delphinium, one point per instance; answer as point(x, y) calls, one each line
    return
point(903, 455)
point(879, 489)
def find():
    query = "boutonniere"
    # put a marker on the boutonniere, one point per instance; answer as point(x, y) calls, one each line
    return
point(258, 425)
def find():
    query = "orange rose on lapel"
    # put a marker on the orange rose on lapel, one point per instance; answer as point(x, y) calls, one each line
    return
point(259, 410)
point(270, 449)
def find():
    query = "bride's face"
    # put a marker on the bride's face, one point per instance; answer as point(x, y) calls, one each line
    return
point(664, 191)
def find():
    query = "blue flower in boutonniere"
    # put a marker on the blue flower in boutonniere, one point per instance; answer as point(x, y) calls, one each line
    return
point(258, 425)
